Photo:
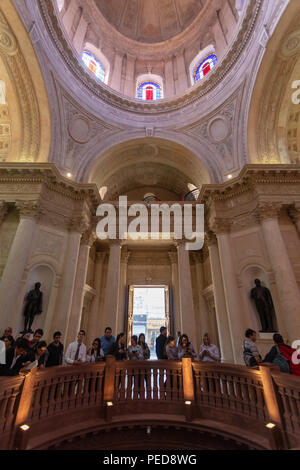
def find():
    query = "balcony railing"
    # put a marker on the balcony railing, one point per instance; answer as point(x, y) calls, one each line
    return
point(230, 400)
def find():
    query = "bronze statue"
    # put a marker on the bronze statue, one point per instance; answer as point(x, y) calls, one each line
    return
point(33, 307)
point(264, 306)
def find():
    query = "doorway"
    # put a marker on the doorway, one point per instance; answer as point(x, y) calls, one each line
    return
point(148, 312)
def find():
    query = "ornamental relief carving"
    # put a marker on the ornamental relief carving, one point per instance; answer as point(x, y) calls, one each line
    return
point(20, 76)
point(217, 132)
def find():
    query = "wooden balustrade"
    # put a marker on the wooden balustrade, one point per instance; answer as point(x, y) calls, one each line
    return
point(91, 396)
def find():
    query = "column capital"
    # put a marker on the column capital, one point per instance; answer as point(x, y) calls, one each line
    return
point(172, 257)
point(115, 243)
point(3, 210)
point(28, 209)
point(294, 213)
point(78, 224)
point(100, 256)
point(88, 238)
point(211, 238)
point(221, 226)
point(267, 210)
point(125, 256)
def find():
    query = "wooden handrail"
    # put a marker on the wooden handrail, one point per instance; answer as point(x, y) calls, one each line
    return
point(81, 394)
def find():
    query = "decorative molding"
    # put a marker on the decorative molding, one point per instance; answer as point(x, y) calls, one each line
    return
point(20, 76)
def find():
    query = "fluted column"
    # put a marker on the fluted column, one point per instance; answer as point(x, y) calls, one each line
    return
point(94, 321)
point(80, 33)
point(220, 301)
point(289, 294)
point(238, 318)
point(186, 294)
point(87, 240)
point(204, 325)
point(16, 263)
point(176, 321)
point(111, 303)
point(65, 296)
point(125, 256)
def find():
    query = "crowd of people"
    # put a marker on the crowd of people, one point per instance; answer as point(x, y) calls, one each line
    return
point(28, 351)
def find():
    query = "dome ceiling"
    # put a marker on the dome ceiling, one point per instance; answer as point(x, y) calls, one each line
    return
point(150, 21)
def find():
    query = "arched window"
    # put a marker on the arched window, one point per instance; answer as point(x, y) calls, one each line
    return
point(149, 91)
point(205, 67)
point(94, 65)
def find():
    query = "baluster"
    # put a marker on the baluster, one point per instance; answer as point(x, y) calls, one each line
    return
point(44, 400)
point(123, 385)
point(149, 384)
point(246, 400)
point(155, 384)
point(239, 396)
point(231, 393)
point(143, 377)
point(52, 395)
point(161, 384)
point(36, 402)
point(218, 392)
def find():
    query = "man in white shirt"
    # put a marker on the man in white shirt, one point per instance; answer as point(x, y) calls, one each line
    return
point(76, 352)
point(209, 352)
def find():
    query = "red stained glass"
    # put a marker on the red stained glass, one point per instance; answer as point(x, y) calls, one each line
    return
point(149, 93)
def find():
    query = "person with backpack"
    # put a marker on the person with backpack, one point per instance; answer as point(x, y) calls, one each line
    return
point(281, 355)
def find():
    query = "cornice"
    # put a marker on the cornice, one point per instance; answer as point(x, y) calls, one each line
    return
point(118, 100)
point(48, 174)
point(250, 176)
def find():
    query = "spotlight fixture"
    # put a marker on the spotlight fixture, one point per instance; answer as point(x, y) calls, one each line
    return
point(109, 403)
point(187, 402)
point(69, 175)
point(24, 427)
point(270, 425)
point(229, 177)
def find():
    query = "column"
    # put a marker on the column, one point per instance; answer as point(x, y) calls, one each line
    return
point(16, 263)
point(80, 33)
point(66, 291)
point(186, 294)
point(111, 303)
point(3, 211)
point(238, 318)
point(129, 87)
point(182, 80)
point(69, 15)
point(73, 327)
point(94, 320)
point(176, 315)
point(294, 213)
point(220, 302)
point(169, 82)
point(289, 294)
point(117, 72)
point(122, 291)
point(204, 325)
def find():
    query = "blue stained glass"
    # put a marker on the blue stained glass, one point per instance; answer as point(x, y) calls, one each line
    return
point(205, 67)
point(94, 65)
point(149, 91)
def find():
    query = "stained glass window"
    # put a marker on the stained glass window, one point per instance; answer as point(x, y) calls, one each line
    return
point(94, 65)
point(149, 91)
point(205, 67)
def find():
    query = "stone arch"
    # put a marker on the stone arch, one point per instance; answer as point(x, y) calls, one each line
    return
point(189, 144)
point(28, 116)
point(272, 94)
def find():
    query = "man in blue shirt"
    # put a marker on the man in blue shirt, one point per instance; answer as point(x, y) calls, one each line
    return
point(107, 341)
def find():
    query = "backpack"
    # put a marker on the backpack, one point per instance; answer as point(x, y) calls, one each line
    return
point(282, 362)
